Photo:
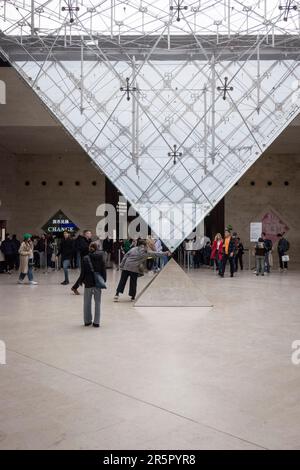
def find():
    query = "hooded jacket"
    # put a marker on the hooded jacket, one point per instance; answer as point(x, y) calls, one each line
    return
point(135, 257)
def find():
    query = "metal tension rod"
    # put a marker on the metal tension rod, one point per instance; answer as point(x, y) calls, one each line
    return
point(178, 7)
point(70, 8)
point(225, 88)
point(175, 154)
point(287, 8)
point(128, 89)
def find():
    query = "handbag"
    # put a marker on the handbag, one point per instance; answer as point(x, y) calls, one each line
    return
point(285, 258)
point(99, 281)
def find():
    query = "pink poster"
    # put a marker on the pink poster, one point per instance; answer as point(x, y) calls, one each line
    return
point(272, 225)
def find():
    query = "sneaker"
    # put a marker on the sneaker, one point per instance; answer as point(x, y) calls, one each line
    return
point(20, 281)
point(75, 291)
point(132, 299)
point(116, 298)
point(33, 283)
point(65, 283)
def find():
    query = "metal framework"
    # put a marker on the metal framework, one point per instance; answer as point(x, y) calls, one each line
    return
point(173, 112)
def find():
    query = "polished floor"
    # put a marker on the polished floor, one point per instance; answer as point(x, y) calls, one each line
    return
point(151, 378)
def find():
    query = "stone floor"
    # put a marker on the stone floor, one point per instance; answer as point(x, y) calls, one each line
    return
point(152, 378)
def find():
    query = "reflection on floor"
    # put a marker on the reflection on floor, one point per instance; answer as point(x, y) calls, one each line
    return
point(153, 378)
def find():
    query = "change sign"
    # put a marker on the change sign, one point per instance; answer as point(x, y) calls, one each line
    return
point(59, 223)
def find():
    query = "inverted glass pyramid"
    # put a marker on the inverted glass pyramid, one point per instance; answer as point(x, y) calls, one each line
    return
point(173, 101)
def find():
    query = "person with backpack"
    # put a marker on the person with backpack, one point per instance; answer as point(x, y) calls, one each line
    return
point(268, 246)
point(93, 276)
point(282, 249)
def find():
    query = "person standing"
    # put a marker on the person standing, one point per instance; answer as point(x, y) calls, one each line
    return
point(8, 249)
point(260, 252)
point(82, 245)
point(26, 260)
point(92, 263)
point(17, 245)
point(66, 251)
point(228, 253)
point(41, 248)
point(282, 248)
point(268, 246)
point(132, 266)
point(108, 248)
point(217, 252)
point(238, 259)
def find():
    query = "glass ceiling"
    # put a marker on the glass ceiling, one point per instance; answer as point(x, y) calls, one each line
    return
point(134, 17)
point(173, 112)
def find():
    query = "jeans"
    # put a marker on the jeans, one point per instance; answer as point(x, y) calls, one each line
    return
point(218, 263)
point(260, 264)
point(29, 272)
point(133, 283)
point(267, 262)
point(89, 292)
point(66, 265)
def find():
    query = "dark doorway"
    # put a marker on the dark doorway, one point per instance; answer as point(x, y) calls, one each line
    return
point(215, 222)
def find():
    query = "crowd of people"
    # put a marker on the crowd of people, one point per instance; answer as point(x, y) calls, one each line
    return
point(133, 257)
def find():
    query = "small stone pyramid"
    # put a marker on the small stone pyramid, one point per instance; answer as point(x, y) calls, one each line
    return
point(172, 287)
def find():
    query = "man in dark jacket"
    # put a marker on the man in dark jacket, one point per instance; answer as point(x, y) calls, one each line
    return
point(108, 248)
point(238, 259)
point(66, 251)
point(8, 249)
point(268, 246)
point(282, 248)
point(96, 259)
point(82, 246)
point(17, 245)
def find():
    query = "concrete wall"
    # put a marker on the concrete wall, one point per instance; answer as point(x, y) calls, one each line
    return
point(246, 203)
point(28, 208)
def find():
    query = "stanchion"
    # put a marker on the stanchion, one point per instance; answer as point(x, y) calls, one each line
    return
point(119, 259)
